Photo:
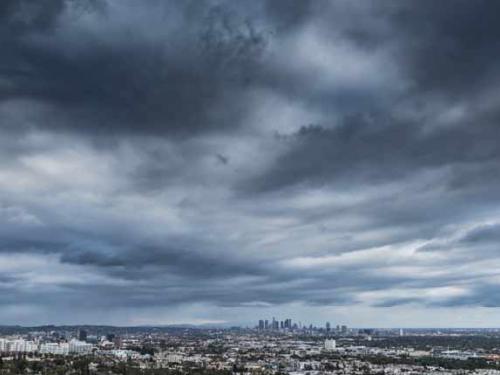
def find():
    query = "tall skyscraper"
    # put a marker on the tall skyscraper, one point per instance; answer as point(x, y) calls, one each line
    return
point(276, 325)
point(261, 324)
point(82, 335)
point(328, 327)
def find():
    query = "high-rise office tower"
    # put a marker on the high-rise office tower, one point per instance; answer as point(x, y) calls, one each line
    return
point(82, 335)
point(276, 325)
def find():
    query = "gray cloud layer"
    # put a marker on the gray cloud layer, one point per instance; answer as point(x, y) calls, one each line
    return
point(229, 155)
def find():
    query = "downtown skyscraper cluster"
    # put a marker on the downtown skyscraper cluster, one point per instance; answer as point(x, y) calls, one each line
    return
point(276, 324)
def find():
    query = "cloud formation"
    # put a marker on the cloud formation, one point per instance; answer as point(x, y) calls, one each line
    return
point(224, 156)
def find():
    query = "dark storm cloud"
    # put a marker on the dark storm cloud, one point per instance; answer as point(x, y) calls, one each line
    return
point(160, 154)
point(484, 233)
point(449, 49)
point(443, 50)
point(201, 288)
point(187, 77)
point(446, 63)
point(379, 148)
point(22, 16)
point(187, 262)
point(286, 15)
point(482, 294)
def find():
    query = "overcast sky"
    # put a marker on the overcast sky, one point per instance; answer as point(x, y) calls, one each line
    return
point(225, 161)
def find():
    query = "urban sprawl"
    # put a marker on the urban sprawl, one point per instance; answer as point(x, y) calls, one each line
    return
point(270, 347)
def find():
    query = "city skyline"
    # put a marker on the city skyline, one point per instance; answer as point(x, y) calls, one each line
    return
point(221, 161)
point(156, 350)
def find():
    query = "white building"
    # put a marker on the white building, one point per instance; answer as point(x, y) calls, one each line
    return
point(22, 346)
point(17, 346)
point(55, 348)
point(330, 344)
point(80, 347)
